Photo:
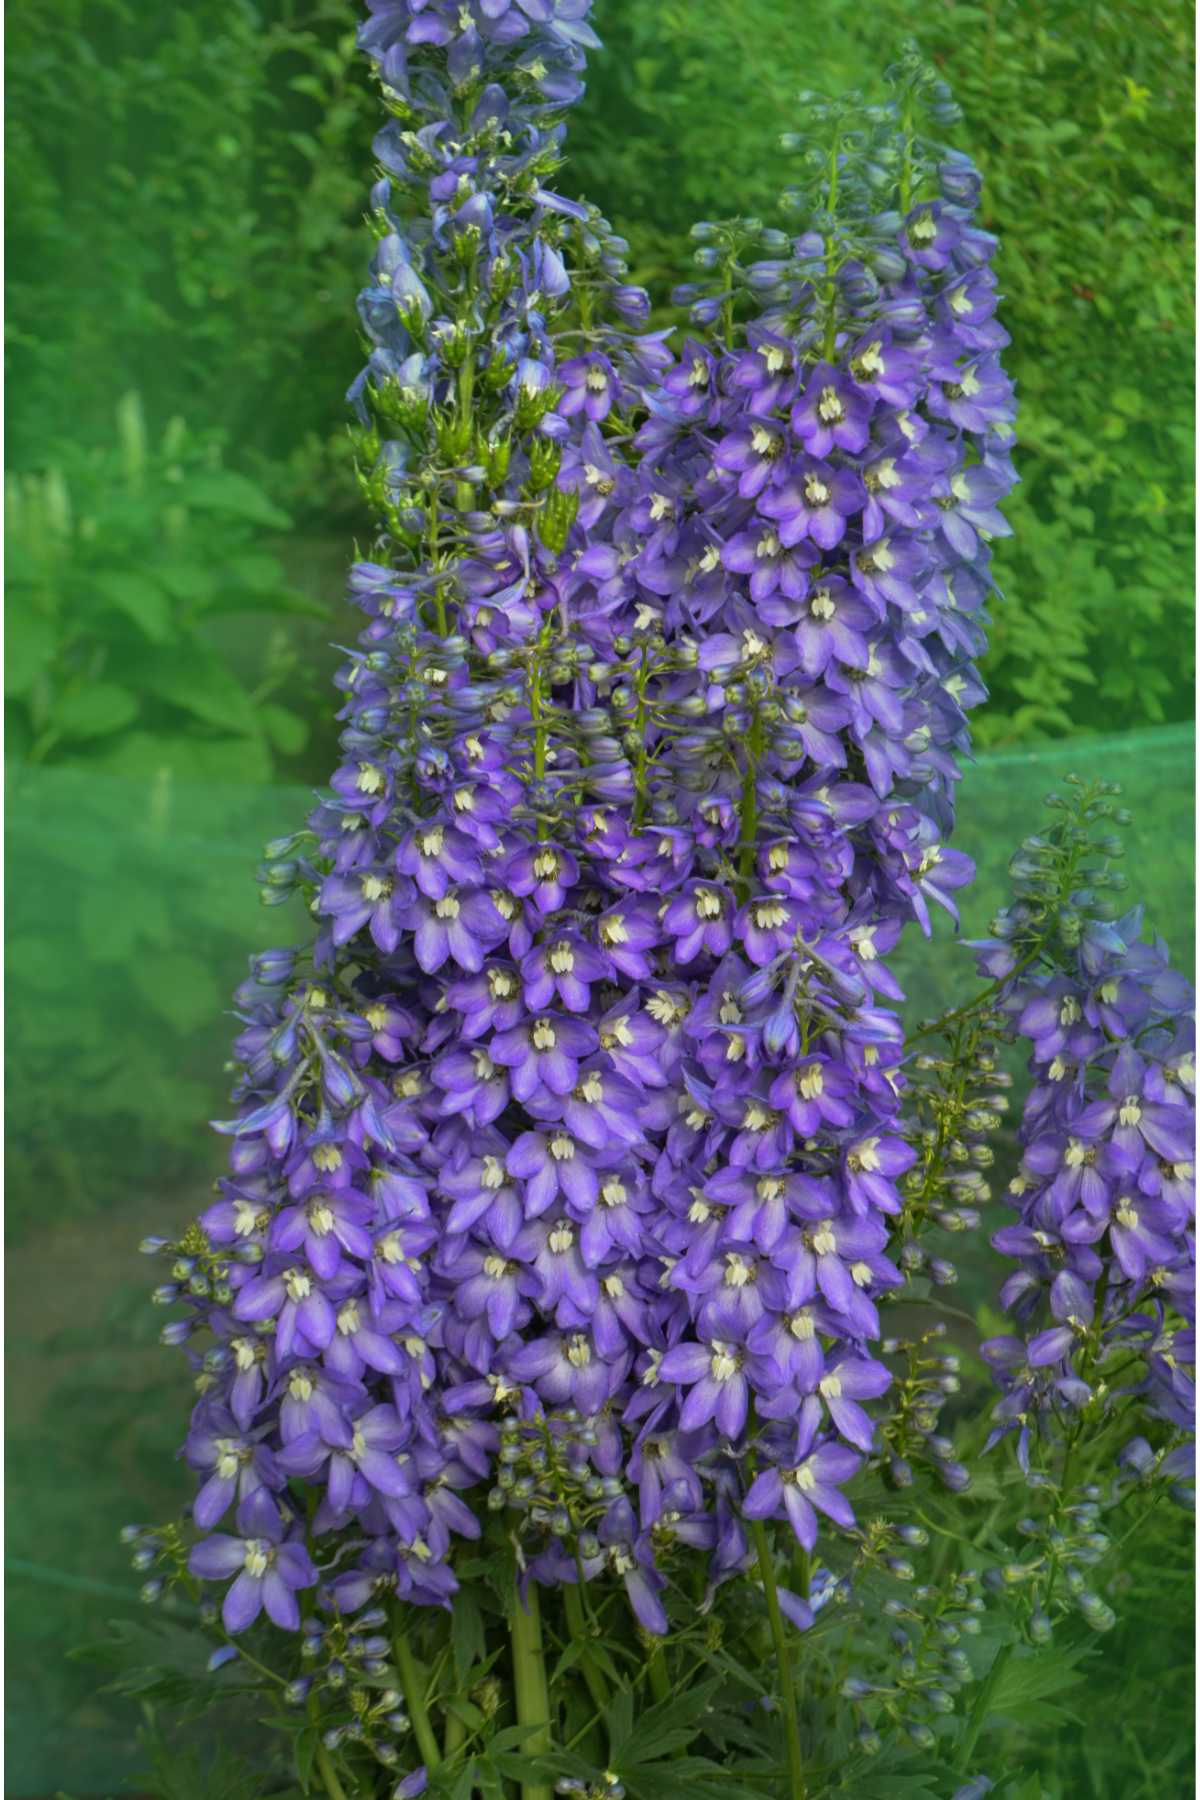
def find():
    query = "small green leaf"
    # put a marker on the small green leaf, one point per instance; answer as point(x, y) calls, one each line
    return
point(306, 1754)
point(140, 599)
point(94, 711)
point(187, 579)
point(29, 645)
point(466, 1628)
point(200, 684)
point(223, 490)
point(286, 730)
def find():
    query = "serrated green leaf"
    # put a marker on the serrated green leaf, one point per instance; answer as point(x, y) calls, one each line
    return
point(667, 1727)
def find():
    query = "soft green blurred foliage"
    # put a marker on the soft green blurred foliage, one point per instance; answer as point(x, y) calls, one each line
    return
point(130, 917)
point(121, 561)
point(186, 190)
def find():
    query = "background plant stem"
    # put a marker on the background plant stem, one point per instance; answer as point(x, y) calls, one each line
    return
point(766, 1569)
point(529, 1681)
point(414, 1698)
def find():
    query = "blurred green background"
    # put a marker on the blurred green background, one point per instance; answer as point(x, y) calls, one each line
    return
point(185, 241)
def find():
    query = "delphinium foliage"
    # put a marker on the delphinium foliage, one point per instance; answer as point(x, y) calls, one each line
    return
point(569, 1371)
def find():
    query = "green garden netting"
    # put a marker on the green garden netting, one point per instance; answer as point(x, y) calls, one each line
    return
point(131, 914)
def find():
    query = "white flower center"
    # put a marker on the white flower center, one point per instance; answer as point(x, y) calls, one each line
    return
point(228, 1459)
point(258, 1557)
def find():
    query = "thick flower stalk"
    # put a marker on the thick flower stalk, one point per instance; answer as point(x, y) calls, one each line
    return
point(566, 1156)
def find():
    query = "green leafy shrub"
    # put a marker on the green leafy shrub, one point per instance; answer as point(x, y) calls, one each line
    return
point(123, 565)
point(127, 928)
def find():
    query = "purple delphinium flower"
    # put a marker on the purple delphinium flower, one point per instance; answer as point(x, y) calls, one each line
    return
point(268, 1572)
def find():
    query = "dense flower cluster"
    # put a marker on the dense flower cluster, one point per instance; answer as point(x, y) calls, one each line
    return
point(1105, 1244)
point(564, 1160)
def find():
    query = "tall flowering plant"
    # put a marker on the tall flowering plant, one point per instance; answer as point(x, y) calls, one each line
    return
point(541, 1325)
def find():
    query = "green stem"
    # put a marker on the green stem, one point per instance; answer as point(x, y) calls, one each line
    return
point(983, 1700)
point(464, 493)
point(748, 840)
point(656, 1668)
point(639, 726)
point(906, 176)
point(414, 1699)
point(783, 1657)
point(972, 1006)
point(537, 710)
point(529, 1681)
point(596, 1686)
point(328, 1774)
point(830, 343)
point(439, 598)
point(454, 1737)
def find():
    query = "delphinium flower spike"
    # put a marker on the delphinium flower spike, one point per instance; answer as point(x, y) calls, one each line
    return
point(566, 1154)
point(1102, 1295)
